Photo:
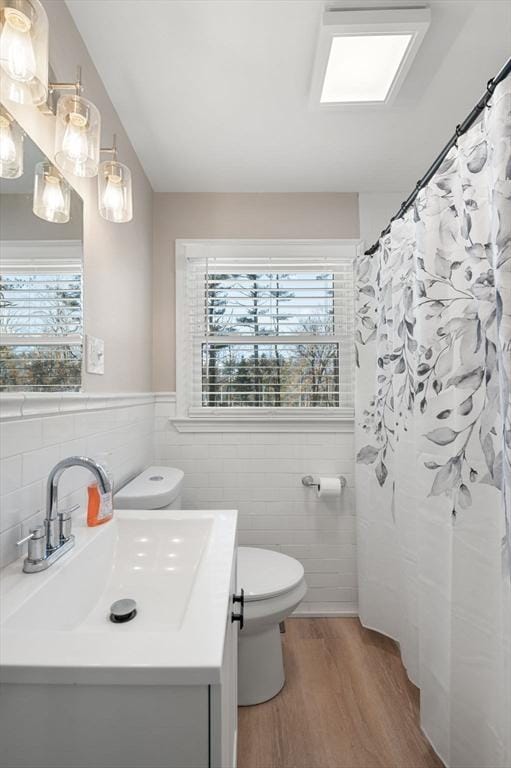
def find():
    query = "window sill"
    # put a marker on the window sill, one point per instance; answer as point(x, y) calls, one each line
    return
point(264, 423)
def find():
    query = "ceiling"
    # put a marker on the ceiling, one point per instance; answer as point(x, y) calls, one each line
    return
point(214, 94)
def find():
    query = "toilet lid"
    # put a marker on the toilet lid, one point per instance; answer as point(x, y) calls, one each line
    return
point(154, 488)
point(263, 573)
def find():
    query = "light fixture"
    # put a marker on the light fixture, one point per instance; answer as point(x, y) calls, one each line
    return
point(24, 61)
point(115, 198)
point(364, 55)
point(78, 131)
point(23, 51)
point(351, 74)
point(11, 147)
point(52, 194)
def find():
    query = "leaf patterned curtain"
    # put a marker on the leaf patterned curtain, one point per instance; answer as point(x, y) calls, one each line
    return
point(433, 413)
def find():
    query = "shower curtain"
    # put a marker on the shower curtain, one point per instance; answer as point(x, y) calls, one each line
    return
point(433, 432)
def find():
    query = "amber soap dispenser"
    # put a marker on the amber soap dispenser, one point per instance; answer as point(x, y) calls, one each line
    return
point(100, 505)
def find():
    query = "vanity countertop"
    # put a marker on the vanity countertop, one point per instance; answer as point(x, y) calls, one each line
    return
point(176, 565)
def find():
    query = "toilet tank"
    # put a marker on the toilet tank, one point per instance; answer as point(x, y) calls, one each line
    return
point(154, 488)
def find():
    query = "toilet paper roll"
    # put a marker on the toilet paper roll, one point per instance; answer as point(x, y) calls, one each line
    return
point(328, 487)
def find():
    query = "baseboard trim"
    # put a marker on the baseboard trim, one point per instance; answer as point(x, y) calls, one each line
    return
point(350, 611)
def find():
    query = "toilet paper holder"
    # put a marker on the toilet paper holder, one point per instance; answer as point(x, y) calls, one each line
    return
point(308, 481)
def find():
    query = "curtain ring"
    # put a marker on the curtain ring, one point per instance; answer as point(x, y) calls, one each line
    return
point(490, 87)
point(458, 133)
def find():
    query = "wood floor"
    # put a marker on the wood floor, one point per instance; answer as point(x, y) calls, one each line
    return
point(347, 703)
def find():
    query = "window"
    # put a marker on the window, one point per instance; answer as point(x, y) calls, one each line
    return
point(40, 316)
point(265, 327)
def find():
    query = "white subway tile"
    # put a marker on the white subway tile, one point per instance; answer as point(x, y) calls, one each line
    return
point(275, 523)
point(20, 504)
point(8, 549)
point(204, 496)
point(162, 410)
point(344, 581)
point(199, 480)
point(37, 464)
point(324, 565)
point(57, 429)
point(331, 594)
point(283, 537)
point(285, 508)
point(19, 436)
point(10, 474)
point(76, 447)
point(319, 551)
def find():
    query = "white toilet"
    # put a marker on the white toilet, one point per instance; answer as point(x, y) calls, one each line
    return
point(273, 585)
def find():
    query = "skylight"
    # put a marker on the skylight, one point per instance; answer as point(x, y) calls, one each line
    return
point(363, 67)
point(364, 55)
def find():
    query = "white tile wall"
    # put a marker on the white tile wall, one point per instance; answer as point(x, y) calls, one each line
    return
point(260, 475)
point(31, 445)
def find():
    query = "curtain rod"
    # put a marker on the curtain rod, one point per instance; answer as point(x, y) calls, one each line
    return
point(460, 130)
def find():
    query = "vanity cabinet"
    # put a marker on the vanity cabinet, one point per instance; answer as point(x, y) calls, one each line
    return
point(75, 726)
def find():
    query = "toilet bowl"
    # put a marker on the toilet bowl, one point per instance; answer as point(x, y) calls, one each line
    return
point(273, 585)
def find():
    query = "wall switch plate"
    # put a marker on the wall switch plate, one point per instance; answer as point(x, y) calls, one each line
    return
point(95, 355)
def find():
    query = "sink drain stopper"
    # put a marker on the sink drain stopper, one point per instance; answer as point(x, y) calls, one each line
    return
point(123, 610)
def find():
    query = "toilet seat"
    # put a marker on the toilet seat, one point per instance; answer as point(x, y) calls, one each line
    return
point(265, 574)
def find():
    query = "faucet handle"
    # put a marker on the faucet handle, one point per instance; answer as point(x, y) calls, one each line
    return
point(35, 533)
point(36, 543)
point(65, 521)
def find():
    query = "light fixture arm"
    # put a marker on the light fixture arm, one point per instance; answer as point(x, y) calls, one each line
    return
point(111, 150)
point(77, 86)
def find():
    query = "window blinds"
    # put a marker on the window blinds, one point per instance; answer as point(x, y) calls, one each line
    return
point(266, 329)
point(40, 316)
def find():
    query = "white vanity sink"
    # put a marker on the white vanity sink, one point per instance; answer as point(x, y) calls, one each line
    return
point(55, 625)
point(158, 690)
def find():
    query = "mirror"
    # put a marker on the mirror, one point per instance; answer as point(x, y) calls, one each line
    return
point(41, 299)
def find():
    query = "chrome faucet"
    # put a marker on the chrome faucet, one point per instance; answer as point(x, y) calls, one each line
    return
point(48, 542)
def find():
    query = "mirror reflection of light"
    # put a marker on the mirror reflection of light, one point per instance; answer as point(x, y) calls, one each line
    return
point(142, 540)
point(137, 568)
point(171, 554)
point(176, 540)
point(170, 568)
point(141, 554)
